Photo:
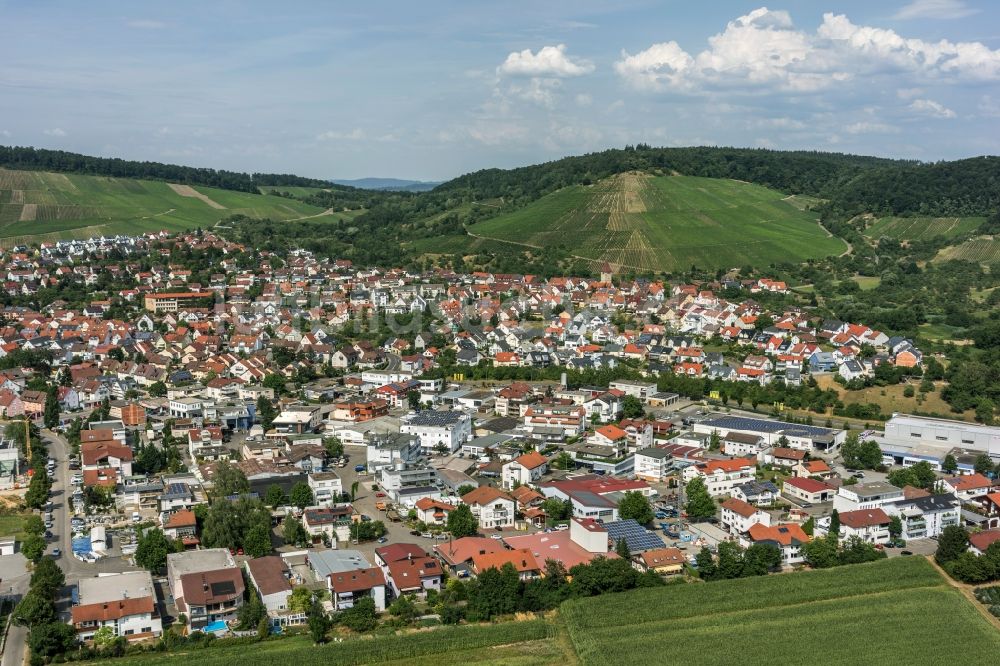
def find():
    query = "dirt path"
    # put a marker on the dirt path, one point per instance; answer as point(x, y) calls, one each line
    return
point(967, 592)
point(188, 191)
point(28, 212)
point(328, 211)
point(166, 212)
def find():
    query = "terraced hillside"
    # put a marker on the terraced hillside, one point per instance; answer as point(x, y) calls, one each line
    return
point(641, 222)
point(37, 206)
point(982, 249)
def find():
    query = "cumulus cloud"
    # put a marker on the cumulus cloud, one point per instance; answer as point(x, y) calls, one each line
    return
point(931, 108)
point(763, 51)
point(549, 61)
point(355, 134)
point(55, 131)
point(935, 9)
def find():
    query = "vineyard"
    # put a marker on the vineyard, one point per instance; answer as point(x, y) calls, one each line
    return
point(847, 612)
point(634, 221)
point(922, 228)
point(38, 206)
point(982, 249)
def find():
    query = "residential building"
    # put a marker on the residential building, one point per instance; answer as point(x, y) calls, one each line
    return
point(787, 537)
point(808, 490)
point(125, 602)
point(494, 508)
point(865, 496)
point(326, 486)
point(438, 430)
point(347, 587)
point(869, 525)
point(925, 517)
point(271, 577)
point(721, 476)
point(738, 516)
point(206, 585)
point(524, 469)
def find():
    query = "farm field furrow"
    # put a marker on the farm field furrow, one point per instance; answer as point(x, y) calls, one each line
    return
point(635, 221)
point(922, 228)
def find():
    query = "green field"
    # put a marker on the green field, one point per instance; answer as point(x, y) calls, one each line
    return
point(869, 613)
point(293, 190)
point(11, 524)
point(636, 221)
point(983, 249)
point(39, 206)
point(922, 228)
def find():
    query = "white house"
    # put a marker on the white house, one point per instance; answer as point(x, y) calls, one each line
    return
point(493, 508)
point(721, 476)
point(125, 602)
point(438, 429)
point(326, 486)
point(788, 537)
point(926, 517)
point(869, 525)
point(271, 576)
point(738, 516)
point(524, 469)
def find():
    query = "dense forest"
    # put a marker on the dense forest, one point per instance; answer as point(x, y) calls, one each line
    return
point(39, 159)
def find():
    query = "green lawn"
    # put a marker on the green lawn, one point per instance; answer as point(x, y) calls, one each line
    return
point(11, 524)
point(36, 206)
point(849, 615)
point(642, 222)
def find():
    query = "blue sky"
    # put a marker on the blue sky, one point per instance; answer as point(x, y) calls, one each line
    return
point(429, 90)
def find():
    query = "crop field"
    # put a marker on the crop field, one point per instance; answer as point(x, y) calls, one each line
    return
point(982, 249)
point(40, 206)
point(922, 228)
point(641, 222)
point(849, 615)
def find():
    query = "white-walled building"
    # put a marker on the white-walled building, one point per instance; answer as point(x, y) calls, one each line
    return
point(438, 429)
point(125, 602)
point(738, 516)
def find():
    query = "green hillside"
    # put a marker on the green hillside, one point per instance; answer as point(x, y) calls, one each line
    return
point(37, 206)
point(922, 228)
point(982, 249)
point(640, 222)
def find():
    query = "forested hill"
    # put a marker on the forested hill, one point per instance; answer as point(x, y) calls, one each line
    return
point(39, 159)
point(814, 173)
point(852, 184)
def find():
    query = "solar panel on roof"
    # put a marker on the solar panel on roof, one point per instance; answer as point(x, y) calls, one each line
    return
point(634, 534)
point(762, 425)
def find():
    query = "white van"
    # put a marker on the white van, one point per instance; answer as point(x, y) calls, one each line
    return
point(136, 518)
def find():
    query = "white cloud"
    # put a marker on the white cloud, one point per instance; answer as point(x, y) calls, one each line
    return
point(537, 90)
point(865, 127)
point(55, 131)
point(935, 9)
point(764, 52)
point(931, 108)
point(5, 133)
point(146, 24)
point(550, 61)
point(355, 134)
point(583, 99)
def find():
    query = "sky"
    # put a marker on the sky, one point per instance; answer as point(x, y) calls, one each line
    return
point(430, 90)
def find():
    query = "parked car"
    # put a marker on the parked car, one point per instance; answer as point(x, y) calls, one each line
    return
point(56, 552)
point(382, 540)
point(380, 494)
point(359, 468)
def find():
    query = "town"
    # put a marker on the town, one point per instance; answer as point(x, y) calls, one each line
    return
point(202, 439)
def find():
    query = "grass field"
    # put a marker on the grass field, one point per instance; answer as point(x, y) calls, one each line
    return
point(921, 228)
point(11, 524)
point(849, 615)
point(641, 222)
point(894, 400)
point(39, 206)
point(983, 249)
point(295, 191)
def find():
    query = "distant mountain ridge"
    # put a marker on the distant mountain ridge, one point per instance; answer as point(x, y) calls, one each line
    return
point(393, 184)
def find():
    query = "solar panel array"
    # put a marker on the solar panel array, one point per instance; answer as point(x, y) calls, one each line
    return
point(635, 535)
point(761, 425)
